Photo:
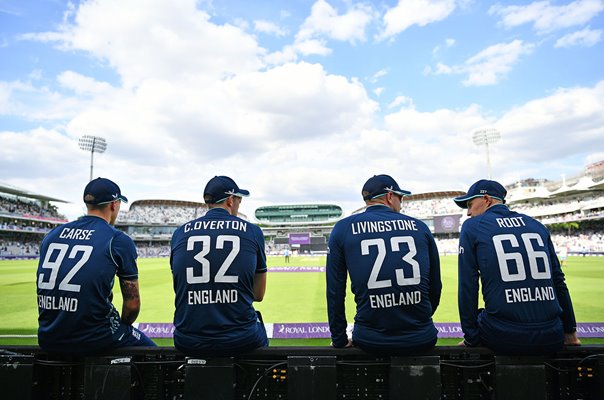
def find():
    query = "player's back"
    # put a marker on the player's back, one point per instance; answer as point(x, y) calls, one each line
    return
point(394, 270)
point(214, 260)
point(516, 267)
point(75, 278)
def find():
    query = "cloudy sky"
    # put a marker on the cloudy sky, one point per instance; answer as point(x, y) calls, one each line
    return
point(300, 100)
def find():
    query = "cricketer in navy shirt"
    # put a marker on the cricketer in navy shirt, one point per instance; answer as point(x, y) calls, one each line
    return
point(219, 269)
point(75, 277)
point(528, 309)
point(394, 269)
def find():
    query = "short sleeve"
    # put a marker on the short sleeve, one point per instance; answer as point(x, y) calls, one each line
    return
point(261, 255)
point(123, 254)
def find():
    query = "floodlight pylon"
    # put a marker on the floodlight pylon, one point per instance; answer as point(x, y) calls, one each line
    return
point(486, 137)
point(93, 144)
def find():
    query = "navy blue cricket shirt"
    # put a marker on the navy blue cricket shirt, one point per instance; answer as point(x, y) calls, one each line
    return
point(522, 283)
point(75, 277)
point(214, 260)
point(394, 268)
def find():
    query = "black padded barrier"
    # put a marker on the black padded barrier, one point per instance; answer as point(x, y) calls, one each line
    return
point(415, 377)
point(295, 373)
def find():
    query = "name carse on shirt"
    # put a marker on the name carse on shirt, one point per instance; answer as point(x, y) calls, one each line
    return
point(76, 234)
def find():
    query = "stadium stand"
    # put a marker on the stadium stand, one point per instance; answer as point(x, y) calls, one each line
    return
point(162, 212)
point(301, 228)
point(151, 223)
point(573, 209)
point(305, 228)
point(25, 217)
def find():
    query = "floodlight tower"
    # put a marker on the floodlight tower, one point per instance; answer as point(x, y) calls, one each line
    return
point(92, 144)
point(486, 137)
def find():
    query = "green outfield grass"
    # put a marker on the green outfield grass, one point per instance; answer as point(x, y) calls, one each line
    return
point(290, 296)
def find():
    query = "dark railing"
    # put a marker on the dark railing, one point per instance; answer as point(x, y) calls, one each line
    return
point(303, 373)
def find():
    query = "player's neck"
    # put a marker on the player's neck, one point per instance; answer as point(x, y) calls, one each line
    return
point(100, 214)
point(223, 207)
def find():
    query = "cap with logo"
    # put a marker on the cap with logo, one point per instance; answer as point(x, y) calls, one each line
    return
point(102, 191)
point(379, 185)
point(219, 188)
point(482, 187)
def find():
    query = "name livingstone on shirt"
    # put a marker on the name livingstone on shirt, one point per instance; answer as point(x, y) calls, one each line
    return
point(383, 226)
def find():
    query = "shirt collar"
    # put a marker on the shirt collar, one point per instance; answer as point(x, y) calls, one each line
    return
point(377, 207)
point(218, 210)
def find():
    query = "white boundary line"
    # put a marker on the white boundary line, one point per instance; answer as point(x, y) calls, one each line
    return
point(17, 336)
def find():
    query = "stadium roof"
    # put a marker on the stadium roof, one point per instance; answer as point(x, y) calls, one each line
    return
point(584, 184)
point(15, 191)
point(598, 185)
point(435, 195)
point(159, 202)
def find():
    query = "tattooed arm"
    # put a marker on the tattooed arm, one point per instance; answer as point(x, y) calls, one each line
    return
point(132, 301)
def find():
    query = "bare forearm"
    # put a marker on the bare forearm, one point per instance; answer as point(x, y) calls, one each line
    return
point(131, 301)
point(259, 286)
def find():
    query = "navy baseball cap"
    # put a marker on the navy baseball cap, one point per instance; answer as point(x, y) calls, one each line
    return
point(379, 185)
point(102, 191)
point(492, 188)
point(219, 188)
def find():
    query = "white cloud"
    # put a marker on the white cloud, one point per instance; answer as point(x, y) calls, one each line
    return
point(403, 101)
point(324, 20)
point(37, 103)
point(546, 17)
point(436, 124)
point(49, 153)
point(442, 69)
point(4, 10)
point(448, 44)
point(81, 84)
point(594, 157)
point(424, 150)
point(584, 38)
point(174, 120)
point(197, 120)
point(569, 121)
point(287, 54)
point(35, 75)
point(130, 37)
point(414, 12)
point(269, 28)
point(5, 94)
point(322, 25)
point(490, 65)
point(309, 47)
point(379, 74)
